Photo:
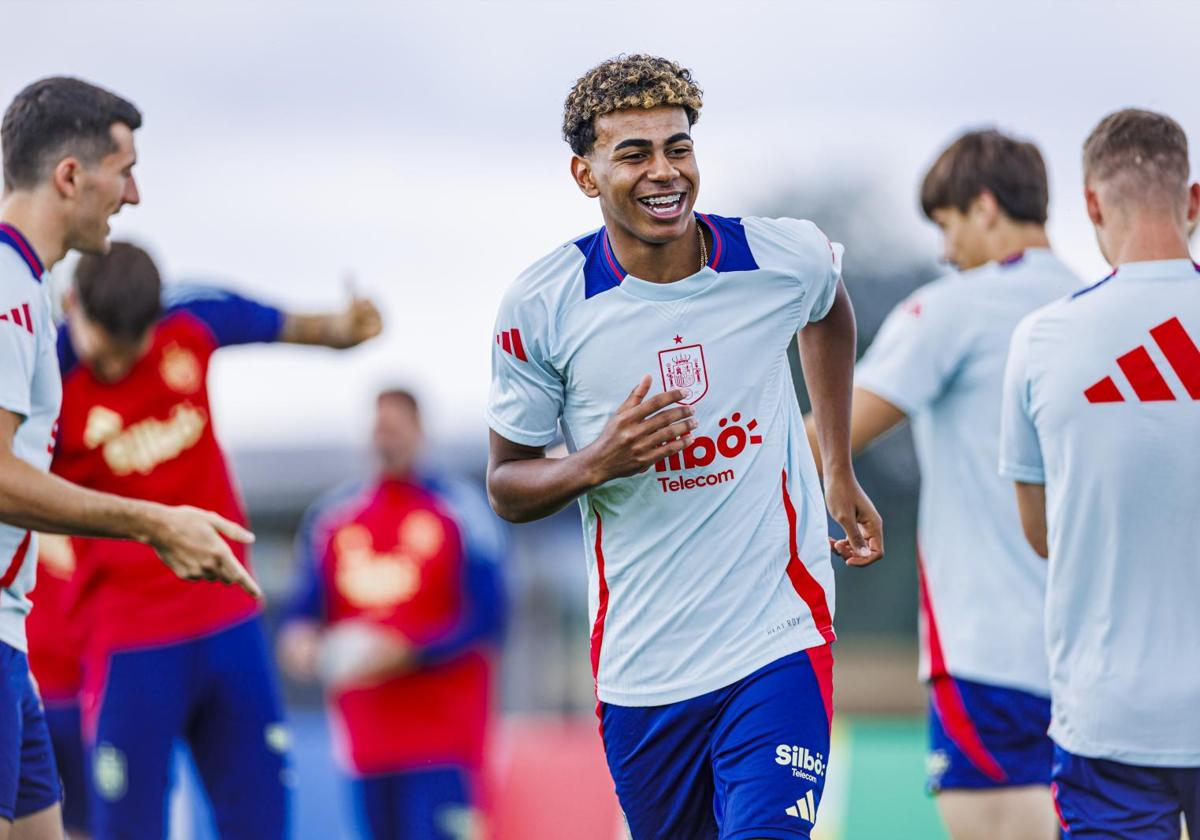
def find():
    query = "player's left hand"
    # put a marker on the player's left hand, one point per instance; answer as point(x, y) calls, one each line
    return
point(850, 507)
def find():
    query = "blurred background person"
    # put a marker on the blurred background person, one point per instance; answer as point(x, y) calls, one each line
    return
point(399, 611)
point(165, 660)
point(938, 361)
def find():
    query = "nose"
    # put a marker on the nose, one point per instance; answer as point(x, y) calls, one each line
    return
point(662, 169)
point(131, 195)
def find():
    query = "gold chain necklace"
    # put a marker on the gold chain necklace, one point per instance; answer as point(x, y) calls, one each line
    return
point(703, 247)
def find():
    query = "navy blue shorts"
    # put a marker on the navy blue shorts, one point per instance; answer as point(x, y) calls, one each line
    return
point(745, 761)
point(984, 736)
point(217, 694)
point(66, 736)
point(28, 776)
point(1097, 798)
point(415, 805)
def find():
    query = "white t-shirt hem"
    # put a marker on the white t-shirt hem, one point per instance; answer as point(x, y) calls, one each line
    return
point(718, 680)
point(991, 678)
point(1123, 754)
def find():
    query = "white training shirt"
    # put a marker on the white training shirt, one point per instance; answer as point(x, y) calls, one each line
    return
point(1102, 405)
point(706, 568)
point(29, 386)
point(939, 357)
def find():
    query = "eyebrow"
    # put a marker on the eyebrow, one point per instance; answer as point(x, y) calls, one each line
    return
point(645, 144)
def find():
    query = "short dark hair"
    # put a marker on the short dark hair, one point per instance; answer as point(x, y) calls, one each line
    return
point(56, 117)
point(1151, 148)
point(1011, 170)
point(402, 395)
point(621, 84)
point(120, 291)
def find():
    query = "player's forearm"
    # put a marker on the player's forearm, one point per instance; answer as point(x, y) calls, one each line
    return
point(524, 490)
point(29, 498)
point(827, 356)
point(322, 330)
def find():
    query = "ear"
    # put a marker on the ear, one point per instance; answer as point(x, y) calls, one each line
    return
point(581, 171)
point(66, 176)
point(1193, 208)
point(1093, 206)
point(985, 208)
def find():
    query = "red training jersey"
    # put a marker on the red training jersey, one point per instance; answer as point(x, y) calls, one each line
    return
point(54, 630)
point(393, 556)
point(150, 436)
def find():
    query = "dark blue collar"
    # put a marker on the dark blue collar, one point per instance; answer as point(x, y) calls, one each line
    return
point(16, 240)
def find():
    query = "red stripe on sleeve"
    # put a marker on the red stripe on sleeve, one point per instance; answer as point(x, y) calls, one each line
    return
point(506, 342)
point(28, 318)
point(16, 316)
point(1181, 353)
point(1147, 382)
point(518, 347)
point(803, 582)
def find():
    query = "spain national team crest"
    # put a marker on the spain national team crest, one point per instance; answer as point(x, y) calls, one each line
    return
point(683, 368)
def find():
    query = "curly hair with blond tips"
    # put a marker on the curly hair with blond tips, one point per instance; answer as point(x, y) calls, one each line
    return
point(624, 83)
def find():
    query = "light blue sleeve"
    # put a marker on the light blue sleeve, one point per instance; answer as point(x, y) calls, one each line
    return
point(18, 353)
point(917, 351)
point(1020, 448)
point(527, 392)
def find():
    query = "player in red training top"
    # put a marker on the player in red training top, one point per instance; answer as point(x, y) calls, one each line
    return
point(136, 420)
point(55, 650)
point(399, 610)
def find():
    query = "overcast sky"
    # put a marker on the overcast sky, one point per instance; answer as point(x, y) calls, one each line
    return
point(417, 145)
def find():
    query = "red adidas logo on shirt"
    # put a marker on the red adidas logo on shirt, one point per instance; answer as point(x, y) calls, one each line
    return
point(510, 343)
point(1143, 374)
point(20, 317)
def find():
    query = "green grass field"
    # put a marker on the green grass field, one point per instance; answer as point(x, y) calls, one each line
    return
point(875, 789)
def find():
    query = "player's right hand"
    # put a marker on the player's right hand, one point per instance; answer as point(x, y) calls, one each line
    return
point(192, 543)
point(641, 432)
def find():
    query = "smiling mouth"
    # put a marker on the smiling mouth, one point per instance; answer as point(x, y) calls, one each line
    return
point(664, 206)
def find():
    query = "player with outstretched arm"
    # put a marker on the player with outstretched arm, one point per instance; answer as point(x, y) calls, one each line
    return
point(659, 343)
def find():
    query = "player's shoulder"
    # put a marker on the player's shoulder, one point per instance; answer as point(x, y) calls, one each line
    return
point(784, 242)
point(193, 295)
point(554, 279)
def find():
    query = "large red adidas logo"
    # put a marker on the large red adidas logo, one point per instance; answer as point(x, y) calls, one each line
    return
point(1144, 376)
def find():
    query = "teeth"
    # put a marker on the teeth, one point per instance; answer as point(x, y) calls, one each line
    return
point(660, 200)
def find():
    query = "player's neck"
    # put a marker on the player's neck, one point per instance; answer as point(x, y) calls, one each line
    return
point(659, 263)
point(1012, 238)
point(1149, 239)
point(28, 212)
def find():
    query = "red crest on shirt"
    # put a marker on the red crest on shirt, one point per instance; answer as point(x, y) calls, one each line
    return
point(684, 368)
